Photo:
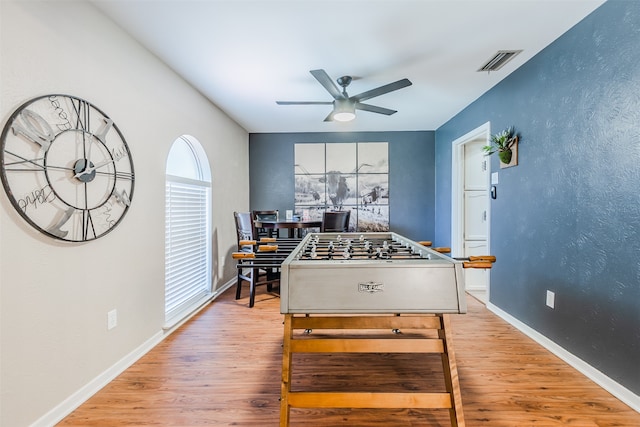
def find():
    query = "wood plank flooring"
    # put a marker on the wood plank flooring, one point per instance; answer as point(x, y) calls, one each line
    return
point(222, 368)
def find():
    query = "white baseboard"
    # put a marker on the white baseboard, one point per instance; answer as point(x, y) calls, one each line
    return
point(76, 399)
point(622, 393)
point(68, 405)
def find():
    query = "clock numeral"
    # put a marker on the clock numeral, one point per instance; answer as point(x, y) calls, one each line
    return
point(101, 134)
point(122, 197)
point(34, 127)
point(83, 114)
point(124, 175)
point(56, 229)
point(87, 225)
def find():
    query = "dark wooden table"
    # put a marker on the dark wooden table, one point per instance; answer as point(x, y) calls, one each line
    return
point(291, 225)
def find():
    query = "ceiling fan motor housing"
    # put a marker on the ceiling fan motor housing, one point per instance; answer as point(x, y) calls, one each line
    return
point(344, 81)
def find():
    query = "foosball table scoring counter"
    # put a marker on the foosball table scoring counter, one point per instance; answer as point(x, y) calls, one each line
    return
point(370, 281)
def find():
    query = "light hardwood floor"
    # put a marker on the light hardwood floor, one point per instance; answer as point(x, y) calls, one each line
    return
point(222, 368)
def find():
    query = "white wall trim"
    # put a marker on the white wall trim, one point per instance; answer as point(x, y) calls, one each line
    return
point(622, 393)
point(68, 405)
point(76, 399)
point(457, 178)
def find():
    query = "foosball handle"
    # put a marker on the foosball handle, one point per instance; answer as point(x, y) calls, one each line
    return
point(267, 248)
point(243, 255)
point(443, 250)
point(247, 243)
point(267, 239)
point(425, 242)
point(489, 258)
point(477, 264)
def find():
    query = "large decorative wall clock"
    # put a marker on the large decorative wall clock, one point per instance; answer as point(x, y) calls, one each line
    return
point(66, 167)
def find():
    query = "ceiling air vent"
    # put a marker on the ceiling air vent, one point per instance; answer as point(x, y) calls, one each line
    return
point(499, 59)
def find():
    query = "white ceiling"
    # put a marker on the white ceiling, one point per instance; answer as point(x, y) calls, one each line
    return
point(244, 55)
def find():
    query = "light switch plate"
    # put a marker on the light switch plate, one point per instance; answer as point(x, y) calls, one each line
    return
point(551, 299)
point(112, 319)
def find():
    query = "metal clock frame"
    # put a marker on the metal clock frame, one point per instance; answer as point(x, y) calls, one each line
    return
point(66, 167)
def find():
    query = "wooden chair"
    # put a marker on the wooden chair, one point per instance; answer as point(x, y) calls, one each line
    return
point(335, 221)
point(263, 216)
point(254, 276)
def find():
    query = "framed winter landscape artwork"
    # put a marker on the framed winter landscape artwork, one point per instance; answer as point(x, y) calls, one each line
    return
point(340, 176)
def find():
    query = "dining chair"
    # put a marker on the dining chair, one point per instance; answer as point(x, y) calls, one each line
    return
point(337, 221)
point(264, 216)
point(245, 231)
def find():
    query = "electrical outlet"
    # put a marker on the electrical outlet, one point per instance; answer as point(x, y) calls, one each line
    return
point(112, 319)
point(551, 299)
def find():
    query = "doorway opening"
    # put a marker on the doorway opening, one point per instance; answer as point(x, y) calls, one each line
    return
point(470, 213)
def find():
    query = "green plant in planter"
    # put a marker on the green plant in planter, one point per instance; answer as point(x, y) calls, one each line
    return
point(501, 143)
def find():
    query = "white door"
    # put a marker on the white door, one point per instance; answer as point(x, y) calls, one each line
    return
point(476, 205)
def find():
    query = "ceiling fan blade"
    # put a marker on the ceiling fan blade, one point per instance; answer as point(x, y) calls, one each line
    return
point(304, 102)
point(327, 83)
point(381, 90)
point(374, 109)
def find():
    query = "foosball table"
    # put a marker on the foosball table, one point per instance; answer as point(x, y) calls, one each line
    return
point(363, 282)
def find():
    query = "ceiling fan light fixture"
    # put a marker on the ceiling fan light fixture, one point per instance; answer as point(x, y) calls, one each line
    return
point(343, 110)
point(344, 116)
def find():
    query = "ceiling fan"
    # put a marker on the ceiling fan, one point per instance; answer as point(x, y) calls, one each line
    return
point(344, 106)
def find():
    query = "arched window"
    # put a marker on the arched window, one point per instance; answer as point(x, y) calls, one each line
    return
point(187, 229)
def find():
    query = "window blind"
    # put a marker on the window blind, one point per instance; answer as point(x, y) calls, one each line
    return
point(187, 248)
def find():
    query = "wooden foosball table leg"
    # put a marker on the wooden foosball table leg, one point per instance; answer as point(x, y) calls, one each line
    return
point(451, 399)
point(450, 369)
point(287, 357)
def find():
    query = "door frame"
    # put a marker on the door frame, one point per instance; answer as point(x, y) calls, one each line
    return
point(457, 192)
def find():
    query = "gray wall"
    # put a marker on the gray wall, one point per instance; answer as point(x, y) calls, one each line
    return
point(411, 174)
point(567, 218)
point(55, 348)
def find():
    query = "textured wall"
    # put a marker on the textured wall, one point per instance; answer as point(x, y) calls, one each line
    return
point(567, 218)
point(411, 174)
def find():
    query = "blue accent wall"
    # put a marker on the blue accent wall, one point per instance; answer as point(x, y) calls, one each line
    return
point(567, 218)
point(411, 174)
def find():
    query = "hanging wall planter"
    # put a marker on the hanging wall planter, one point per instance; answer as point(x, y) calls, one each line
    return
point(504, 143)
point(505, 156)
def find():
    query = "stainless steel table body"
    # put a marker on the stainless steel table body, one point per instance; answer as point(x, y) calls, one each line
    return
point(426, 282)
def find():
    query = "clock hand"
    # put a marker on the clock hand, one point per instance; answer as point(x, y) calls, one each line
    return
point(88, 169)
point(87, 155)
point(90, 145)
point(101, 164)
